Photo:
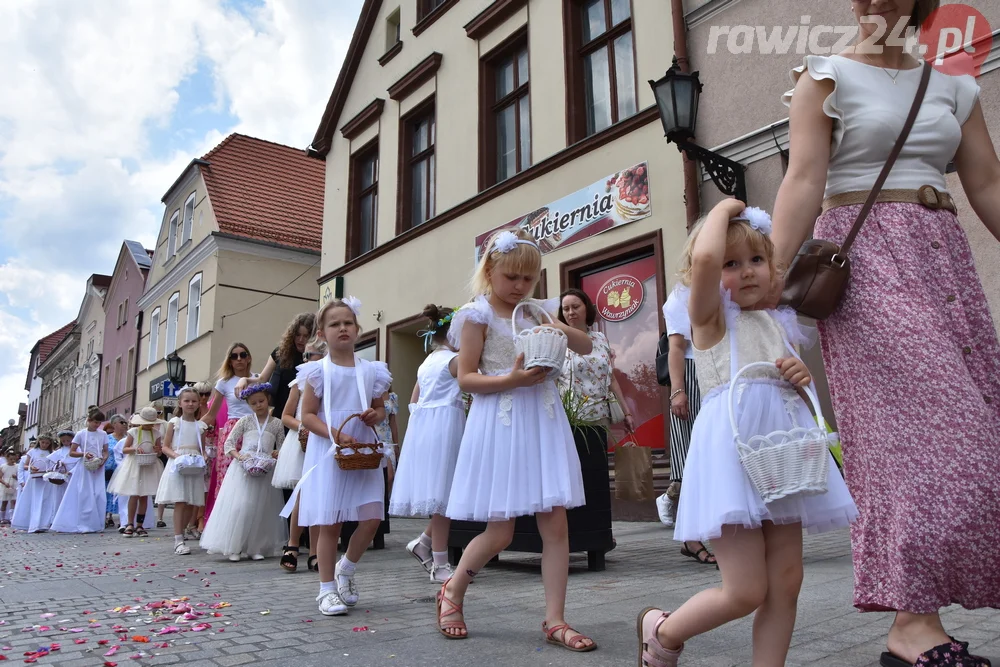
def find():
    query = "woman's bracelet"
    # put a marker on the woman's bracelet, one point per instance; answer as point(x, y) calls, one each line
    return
point(676, 393)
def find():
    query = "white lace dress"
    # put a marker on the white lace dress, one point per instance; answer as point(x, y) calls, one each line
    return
point(330, 495)
point(433, 436)
point(716, 490)
point(175, 487)
point(518, 456)
point(245, 519)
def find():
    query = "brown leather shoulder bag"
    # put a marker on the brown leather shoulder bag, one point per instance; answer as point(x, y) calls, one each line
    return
point(817, 278)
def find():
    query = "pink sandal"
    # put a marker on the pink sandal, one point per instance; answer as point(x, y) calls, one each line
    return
point(576, 644)
point(443, 625)
point(651, 652)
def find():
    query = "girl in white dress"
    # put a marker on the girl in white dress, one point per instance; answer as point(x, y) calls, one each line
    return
point(288, 469)
point(245, 520)
point(60, 461)
point(183, 438)
point(120, 426)
point(343, 385)
point(8, 487)
point(139, 477)
point(37, 503)
point(430, 447)
point(518, 456)
point(83, 505)
point(758, 546)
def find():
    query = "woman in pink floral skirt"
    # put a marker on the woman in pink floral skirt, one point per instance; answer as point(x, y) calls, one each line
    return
point(911, 352)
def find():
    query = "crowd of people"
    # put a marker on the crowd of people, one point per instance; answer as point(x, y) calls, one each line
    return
point(911, 354)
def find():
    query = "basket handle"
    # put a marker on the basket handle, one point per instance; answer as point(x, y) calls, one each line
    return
point(513, 316)
point(336, 436)
point(810, 392)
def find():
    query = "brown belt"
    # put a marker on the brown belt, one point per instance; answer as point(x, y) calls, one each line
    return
point(926, 195)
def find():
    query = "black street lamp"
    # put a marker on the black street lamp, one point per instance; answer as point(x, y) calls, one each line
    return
point(677, 96)
point(176, 370)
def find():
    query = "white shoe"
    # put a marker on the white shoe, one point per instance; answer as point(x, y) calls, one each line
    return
point(234, 558)
point(441, 573)
point(257, 557)
point(330, 604)
point(345, 587)
point(665, 508)
point(182, 549)
point(426, 563)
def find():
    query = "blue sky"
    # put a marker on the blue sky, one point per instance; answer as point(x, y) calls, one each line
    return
point(105, 103)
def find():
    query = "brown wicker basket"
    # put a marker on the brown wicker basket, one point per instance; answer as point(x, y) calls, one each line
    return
point(357, 460)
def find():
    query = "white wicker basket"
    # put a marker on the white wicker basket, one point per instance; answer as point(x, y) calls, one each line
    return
point(190, 464)
point(543, 347)
point(146, 459)
point(783, 463)
point(55, 477)
point(258, 465)
point(93, 464)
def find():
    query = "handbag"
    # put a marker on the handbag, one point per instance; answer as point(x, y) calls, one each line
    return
point(817, 278)
point(663, 360)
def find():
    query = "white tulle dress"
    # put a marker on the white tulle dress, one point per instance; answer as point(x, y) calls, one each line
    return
point(132, 479)
point(37, 503)
point(245, 519)
point(288, 469)
point(82, 509)
point(518, 456)
point(430, 447)
point(175, 487)
point(329, 495)
point(717, 492)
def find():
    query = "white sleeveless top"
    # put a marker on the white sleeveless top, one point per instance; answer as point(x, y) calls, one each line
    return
point(437, 387)
point(868, 113)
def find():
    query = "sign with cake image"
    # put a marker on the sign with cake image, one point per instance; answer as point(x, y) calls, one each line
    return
point(617, 200)
point(620, 298)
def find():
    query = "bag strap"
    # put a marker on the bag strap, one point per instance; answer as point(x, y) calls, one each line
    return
point(925, 78)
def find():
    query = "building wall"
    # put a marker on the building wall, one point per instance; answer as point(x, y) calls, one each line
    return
point(59, 385)
point(34, 404)
point(203, 224)
point(88, 372)
point(120, 335)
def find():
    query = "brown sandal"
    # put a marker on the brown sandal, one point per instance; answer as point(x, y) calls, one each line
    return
point(575, 644)
point(443, 625)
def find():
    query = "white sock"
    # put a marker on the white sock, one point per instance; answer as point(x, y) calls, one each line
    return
point(327, 587)
point(440, 558)
point(347, 568)
point(178, 539)
point(425, 540)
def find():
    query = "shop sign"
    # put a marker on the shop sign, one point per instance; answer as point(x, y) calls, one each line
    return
point(617, 200)
point(162, 387)
point(620, 298)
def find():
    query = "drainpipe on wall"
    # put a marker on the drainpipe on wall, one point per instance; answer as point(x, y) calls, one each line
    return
point(692, 192)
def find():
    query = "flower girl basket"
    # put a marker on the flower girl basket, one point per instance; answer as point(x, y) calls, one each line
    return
point(362, 456)
point(259, 464)
point(783, 463)
point(145, 458)
point(543, 347)
point(192, 464)
point(92, 464)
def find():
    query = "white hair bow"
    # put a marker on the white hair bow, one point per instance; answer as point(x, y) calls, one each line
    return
point(354, 303)
point(758, 218)
point(507, 241)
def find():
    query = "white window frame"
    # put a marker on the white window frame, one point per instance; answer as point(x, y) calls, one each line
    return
point(194, 307)
point(180, 230)
point(172, 236)
point(173, 307)
point(189, 217)
point(154, 337)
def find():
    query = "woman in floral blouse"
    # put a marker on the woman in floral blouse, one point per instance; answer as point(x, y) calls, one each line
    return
point(590, 376)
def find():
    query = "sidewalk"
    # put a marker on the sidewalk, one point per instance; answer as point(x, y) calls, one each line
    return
point(272, 618)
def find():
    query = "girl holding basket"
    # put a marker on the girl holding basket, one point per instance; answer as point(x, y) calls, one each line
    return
point(138, 476)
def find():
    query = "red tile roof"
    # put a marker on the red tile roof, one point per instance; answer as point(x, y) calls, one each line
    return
point(50, 342)
point(266, 191)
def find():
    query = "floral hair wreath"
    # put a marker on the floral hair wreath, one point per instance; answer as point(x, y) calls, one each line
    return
point(428, 334)
point(757, 218)
point(260, 387)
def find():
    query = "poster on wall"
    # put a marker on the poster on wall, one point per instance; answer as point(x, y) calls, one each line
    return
point(617, 200)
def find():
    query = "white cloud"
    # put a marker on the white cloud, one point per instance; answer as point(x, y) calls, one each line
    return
point(88, 87)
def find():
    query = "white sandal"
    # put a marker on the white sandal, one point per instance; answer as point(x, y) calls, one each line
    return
point(411, 549)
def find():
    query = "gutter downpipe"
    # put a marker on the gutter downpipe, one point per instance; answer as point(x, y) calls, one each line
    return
point(692, 193)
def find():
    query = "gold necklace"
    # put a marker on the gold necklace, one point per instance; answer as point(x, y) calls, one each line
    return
point(883, 68)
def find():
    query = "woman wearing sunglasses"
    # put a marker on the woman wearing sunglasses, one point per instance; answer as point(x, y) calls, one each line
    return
point(235, 367)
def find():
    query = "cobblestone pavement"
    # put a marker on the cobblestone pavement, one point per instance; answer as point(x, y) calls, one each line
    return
point(87, 595)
